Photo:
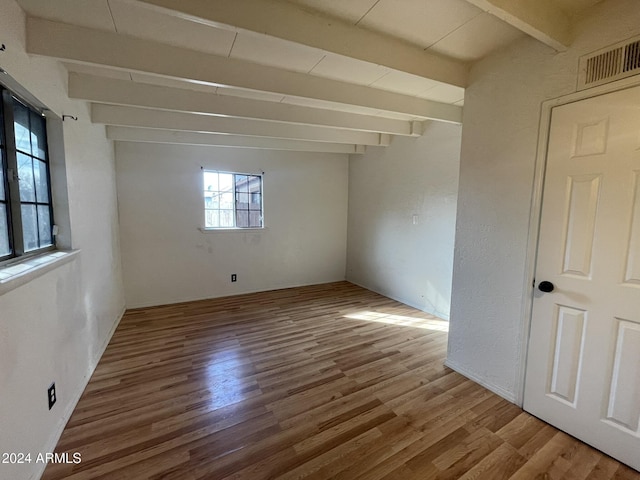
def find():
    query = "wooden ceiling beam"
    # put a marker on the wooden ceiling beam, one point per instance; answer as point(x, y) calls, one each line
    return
point(148, 118)
point(541, 19)
point(95, 47)
point(287, 21)
point(147, 135)
point(125, 92)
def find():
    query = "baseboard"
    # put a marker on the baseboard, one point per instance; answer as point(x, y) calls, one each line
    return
point(509, 396)
point(175, 301)
point(62, 422)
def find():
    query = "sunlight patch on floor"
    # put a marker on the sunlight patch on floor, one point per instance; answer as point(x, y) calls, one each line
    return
point(226, 380)
point(415, 322)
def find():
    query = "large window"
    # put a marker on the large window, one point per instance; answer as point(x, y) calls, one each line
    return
point(26, 217)
point(232, 200)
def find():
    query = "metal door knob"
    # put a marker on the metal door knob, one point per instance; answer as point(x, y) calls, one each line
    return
point(546, 287)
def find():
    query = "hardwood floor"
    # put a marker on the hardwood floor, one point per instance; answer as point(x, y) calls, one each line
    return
point(329, 381)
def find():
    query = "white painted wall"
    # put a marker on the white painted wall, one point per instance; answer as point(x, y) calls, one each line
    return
point(55, 327)
point(166, 259)
point(387, 253)
point(499, 140)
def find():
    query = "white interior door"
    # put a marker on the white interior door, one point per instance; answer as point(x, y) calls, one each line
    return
point(583, 363)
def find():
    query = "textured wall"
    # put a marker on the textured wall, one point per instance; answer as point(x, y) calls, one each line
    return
point(54, 327)
point(499, 140)
point(387, 252)
point(166, 259)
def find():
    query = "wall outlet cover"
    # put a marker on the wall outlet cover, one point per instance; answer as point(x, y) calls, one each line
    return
point(51, 395)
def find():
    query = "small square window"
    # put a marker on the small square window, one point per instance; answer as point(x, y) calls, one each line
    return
point(232, 200)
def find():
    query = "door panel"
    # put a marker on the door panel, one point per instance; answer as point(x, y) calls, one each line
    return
point(632, 274)
point(624, 402)
point(580, 220)
point(583, 362)
point(569, 343)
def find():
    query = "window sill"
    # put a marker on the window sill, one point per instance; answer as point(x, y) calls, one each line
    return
point(17, 274)
point(232, 230)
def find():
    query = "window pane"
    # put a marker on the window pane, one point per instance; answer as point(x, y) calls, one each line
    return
point(2, 197)
point(42, 189)
point(208, 200)
point(29, 227)
point(243, 201)
point(226, 201)
point(211, 218)
point(242, 183)
point(211, 181)
point(215, 200)
point(1, 121)
point(256, 203)
point(38, 136)
point(242, 219)
point(226, 218)
point(255, 184)
point(25, 174)
point(44, 225)
point(21, 127)
point(255, 219)
point(226, 182)
point(4, 231)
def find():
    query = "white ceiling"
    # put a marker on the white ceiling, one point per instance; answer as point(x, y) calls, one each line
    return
point(354, 49)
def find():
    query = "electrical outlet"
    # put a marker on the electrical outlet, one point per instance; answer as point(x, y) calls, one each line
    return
point(51, 394)
point(234, 277)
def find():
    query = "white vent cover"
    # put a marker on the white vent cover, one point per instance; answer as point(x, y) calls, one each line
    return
point(609, 64)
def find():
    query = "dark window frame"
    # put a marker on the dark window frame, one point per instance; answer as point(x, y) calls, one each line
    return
point(9, 164)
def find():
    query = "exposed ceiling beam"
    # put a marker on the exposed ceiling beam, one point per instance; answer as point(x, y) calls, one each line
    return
point(289, 22)
point(541, 19)
point(125, 92)
point(84, 45)
point(147, 135)
point(143, 117)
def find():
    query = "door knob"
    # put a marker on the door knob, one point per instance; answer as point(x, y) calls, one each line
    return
point(546, 286)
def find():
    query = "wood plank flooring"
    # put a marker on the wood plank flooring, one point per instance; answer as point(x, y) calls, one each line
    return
point(330, 381)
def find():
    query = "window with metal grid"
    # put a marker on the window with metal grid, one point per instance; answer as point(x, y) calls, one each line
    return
point(232, 200)
point(26, 210)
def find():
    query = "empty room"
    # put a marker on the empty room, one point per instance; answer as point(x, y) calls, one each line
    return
point(311, 239)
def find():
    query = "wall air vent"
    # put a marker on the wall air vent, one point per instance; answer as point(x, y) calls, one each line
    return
point(609, 64)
